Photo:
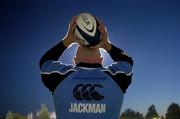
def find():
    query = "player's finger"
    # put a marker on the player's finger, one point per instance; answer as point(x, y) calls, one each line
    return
point(74, 26)
point(101, 24)
point(101, 29)
point(73, 20)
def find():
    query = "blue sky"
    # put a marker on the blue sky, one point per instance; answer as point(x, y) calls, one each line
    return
point(148, 30)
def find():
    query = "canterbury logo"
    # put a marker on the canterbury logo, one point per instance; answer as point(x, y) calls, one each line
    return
point(89, 30)
point(85, 19)
point(87, 92)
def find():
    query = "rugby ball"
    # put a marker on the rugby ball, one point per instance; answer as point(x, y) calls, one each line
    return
point(87, 29)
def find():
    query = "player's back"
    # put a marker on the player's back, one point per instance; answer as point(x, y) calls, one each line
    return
point(88, 93)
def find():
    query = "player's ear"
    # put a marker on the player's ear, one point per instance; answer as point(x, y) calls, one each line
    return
point(101, 60)
point(75, 60)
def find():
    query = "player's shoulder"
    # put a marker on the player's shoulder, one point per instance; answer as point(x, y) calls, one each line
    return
point(118, 68)
point(51, 66)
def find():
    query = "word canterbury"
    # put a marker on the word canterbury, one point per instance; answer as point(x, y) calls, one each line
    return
point(87, 108)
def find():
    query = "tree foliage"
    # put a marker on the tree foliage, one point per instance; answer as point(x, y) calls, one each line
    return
point(43, 114)
point(131, 114)
point(9, 115)
point(152, 113)
point(173, 111)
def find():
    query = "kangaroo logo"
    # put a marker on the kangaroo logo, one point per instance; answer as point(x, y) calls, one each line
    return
point(87, 92)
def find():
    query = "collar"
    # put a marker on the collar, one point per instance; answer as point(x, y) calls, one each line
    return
point(89, 65)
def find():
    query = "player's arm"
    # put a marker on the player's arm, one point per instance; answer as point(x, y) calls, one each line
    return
point(121, 69)
point(119, 55)
point(116, 53)
point(55, 52)
point(52, 70)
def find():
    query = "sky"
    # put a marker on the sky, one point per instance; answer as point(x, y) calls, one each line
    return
point(149, 31)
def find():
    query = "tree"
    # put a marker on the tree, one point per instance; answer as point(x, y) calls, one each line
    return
point(9, 115)
point(43, 114)
point(18, 116)
point(152, 113)
point(131, 114)
point(173, 111)
point(162, 117)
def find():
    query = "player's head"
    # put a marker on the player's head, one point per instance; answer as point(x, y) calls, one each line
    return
point(88, 55)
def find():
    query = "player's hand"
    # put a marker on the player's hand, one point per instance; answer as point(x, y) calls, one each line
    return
point(105, 43)
point(69, 38)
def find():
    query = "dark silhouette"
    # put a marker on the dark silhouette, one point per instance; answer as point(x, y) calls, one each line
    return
point(152, 113)
point(173, 111)
point(131, 114)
